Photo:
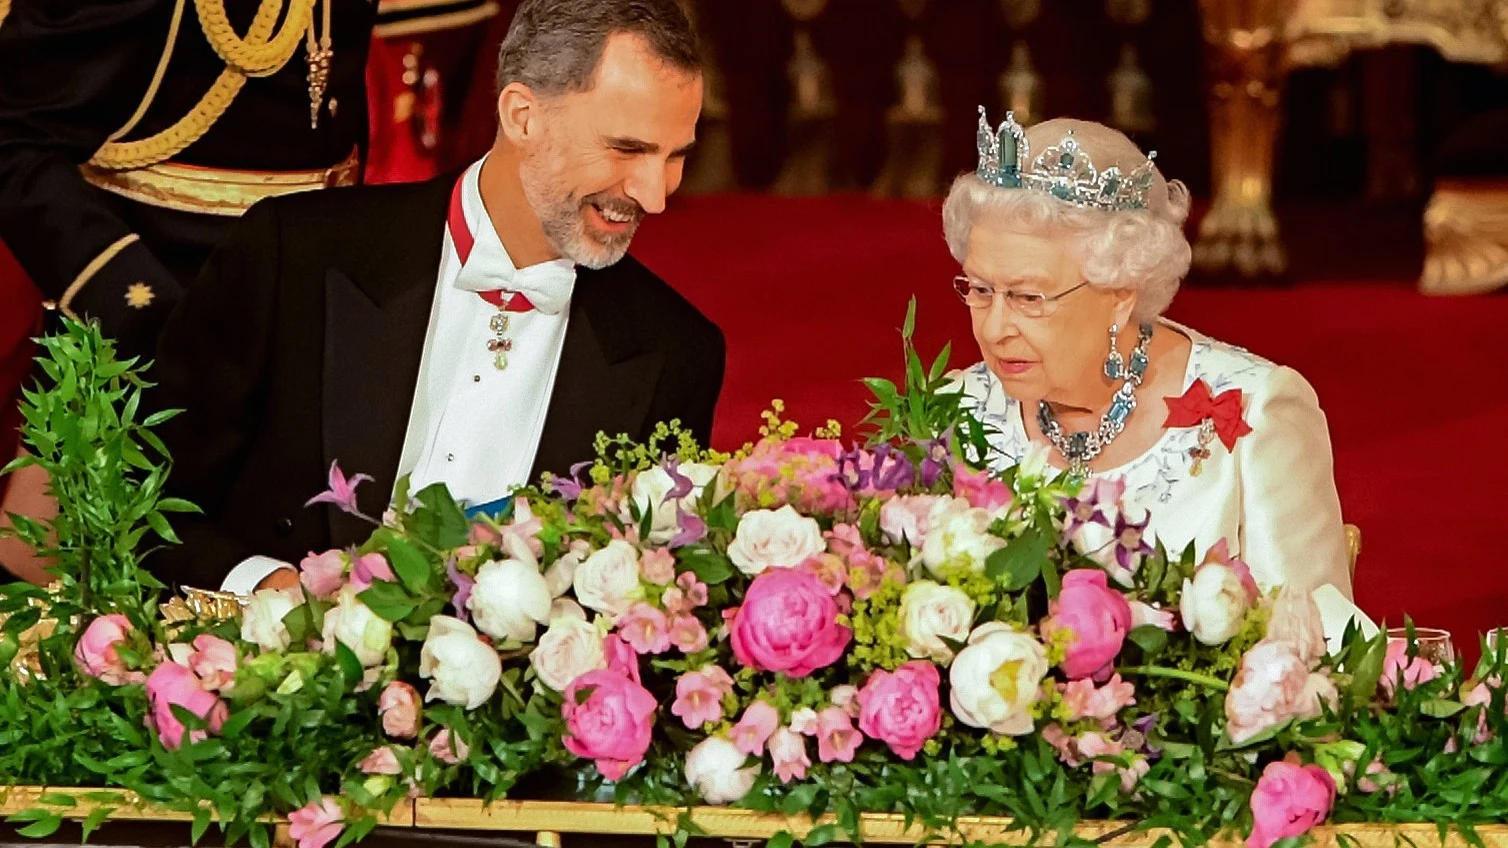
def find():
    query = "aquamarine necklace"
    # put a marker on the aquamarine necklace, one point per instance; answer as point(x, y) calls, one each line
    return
point(1080, 449)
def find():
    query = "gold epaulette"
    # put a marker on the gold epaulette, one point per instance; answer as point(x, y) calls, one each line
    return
point(397, 18)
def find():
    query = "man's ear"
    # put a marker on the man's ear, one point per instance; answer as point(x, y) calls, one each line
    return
point(518, 112)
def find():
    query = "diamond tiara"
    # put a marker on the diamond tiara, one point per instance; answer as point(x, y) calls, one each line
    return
point(1063, 170)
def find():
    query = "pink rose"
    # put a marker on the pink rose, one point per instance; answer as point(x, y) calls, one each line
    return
point(323, 574)
point(1098, 618)
point(368, 568)
point(788, 623)
point(979, 489)
point(214, 660)
point(699, 696)
point(381, 761)
point(1287, 801)
point(620, 656)
point(901, 708)
point(657, 566)
point(608, 719)
point(317, 824)
point(97, 653)
point(788, 754)
point(448, 747)
point(645, 629)
point(909, 518)
point(1398, 666)
point(1272, 686)
point(172, 684)
point(752, 731)
point(687, 634)
point(399, 707)
point(1084, 700)
point(837, 739)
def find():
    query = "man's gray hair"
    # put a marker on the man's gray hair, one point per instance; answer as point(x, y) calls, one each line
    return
point(554, 46)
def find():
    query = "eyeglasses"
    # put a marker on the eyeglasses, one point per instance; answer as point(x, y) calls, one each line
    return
point(980, 295)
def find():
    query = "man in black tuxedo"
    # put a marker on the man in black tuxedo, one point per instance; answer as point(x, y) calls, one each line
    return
point(476, 330)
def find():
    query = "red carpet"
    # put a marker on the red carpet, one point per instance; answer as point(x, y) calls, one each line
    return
point(810, 293)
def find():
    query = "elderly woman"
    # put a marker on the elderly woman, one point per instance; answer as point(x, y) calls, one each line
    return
point(1069, 260)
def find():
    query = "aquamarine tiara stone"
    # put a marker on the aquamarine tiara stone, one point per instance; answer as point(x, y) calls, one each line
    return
point(1063, 170)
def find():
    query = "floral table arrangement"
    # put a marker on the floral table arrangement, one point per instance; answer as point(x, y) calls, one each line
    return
point(806, 627)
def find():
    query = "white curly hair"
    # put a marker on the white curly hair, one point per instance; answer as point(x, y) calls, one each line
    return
point(1141, 249)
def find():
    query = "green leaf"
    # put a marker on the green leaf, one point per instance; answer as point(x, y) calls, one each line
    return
point(1019, 563)
point(95, 818)
point(709, 567)
point(783, 839)
point(350, 666)
point(177, 505)
point(1441, 708)
point(1150, 638)
point(45, 824)
point(799, 799)
point(409, 564)
point(1368, 671)
point(440, 520)
point(161, 527)
point(820, 835)
point(388, 600)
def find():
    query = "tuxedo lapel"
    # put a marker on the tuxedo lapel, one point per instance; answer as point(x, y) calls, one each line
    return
point(376, 319)
point(605, 381)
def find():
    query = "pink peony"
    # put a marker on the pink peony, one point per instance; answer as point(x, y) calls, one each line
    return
point(901, 708)
point(1084, 700)
point(323, 574)
point(173, 684)
point(752, 731)
point(837, 739)
point(687, 634)
point(449, 748)
point(381, 761)
point(97, 652)
point(369, 568)
point(608, 719)
point(645, 629)
point(979, 489)
point(214, 660)
point(399, 708)
point(699, 696)
point(788, 754)
point(1098, 618)
point(1287, 801)
point(317, 824)
point(621, 658)
point(1398, 666)
point(657, 566)
point(1272, 686)
point(801, 472)
point(788, 623)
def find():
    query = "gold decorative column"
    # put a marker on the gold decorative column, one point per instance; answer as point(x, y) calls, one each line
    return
point(810, 131)
point(1244, 48)
point(914, 122)
point(1022, 89)
point(710, 168)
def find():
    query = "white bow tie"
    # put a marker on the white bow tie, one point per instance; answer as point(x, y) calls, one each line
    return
point(547, 285)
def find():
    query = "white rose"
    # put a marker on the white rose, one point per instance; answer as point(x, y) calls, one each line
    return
point(909, 517)
point(651, 493)
point(510, 596)
point(608, 581)
point(997, 678)
point(1214, 603)
point(353, 624)
point(1296, 619)
point(781, 538)
point(566, 608)
point(959, 538)
point(568, 649)
point(562, 571)
point(262, 620)
point(715, 769)
point(465, 670)
point(931, 613)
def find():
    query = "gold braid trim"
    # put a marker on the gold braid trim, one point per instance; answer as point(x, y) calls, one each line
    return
point(256, 56)
point(4, 10)
point(124, 155)
point(65, 303)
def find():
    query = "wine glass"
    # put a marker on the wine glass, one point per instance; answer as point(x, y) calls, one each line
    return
point(1434, 645)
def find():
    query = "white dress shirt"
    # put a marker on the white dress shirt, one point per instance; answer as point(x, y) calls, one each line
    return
point(471, 425)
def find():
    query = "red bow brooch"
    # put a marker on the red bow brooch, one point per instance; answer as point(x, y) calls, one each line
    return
point(1218, 415)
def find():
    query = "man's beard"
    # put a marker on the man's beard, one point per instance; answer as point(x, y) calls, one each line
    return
point(562, 216)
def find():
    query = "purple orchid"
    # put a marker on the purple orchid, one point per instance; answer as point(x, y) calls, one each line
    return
point(1131, 542)
point(1088, 506)
point(892, 470)
point(693, 529)
point(851, 473)
point(936, 459)
point(570, 487)
point(683, 485)
point(1139, 737)
point(463, 588)
point(342, 492)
